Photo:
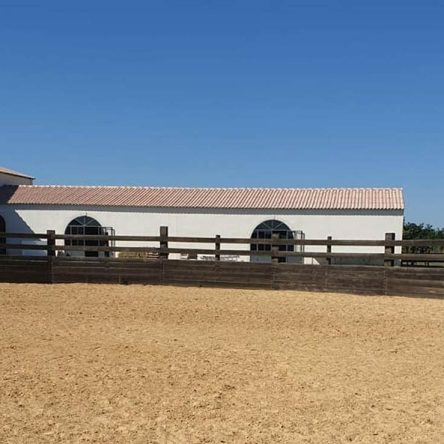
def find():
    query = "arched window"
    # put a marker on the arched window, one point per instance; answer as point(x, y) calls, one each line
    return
point(265, 230)
point(2, 239)
point(85, 225)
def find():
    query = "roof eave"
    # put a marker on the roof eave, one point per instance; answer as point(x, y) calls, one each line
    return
point(10, 173)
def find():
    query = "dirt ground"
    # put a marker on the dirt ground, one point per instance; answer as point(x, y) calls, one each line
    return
point(145, 364)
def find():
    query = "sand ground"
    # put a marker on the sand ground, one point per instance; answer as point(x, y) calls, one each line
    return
point(146, 364)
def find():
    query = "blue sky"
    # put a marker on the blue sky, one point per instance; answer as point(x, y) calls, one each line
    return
point(227, 93)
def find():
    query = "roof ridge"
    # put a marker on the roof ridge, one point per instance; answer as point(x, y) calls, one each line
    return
point(158, 187)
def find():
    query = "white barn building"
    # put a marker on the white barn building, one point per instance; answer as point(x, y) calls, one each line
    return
point(315, 213)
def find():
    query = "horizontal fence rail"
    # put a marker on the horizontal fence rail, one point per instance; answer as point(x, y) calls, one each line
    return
point(230, 240)
point(49, 243)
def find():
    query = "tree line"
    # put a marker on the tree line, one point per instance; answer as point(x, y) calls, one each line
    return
point(422, 231)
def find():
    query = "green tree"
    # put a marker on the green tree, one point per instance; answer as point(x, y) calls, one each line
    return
point(422, 231)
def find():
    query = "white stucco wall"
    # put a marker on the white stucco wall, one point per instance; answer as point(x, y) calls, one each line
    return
point(9, 179)
point(227, 223)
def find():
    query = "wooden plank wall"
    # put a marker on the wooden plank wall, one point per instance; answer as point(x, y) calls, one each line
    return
point(18, 269)
point(106, 271)
point(427, 282)
point(333, 278)
point(218, 274)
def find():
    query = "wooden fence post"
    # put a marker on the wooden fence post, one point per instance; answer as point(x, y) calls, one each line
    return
point(388, 249)
point(329, 250)
point(274, 249)
point(50, 242)
point(217, 247)
point(163, 241)
point(50, 251)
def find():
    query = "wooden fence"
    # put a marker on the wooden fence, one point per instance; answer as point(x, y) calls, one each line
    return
point(156, 267)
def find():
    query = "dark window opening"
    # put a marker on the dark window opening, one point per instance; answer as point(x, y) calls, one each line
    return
point(265, 231)
point(85, 225)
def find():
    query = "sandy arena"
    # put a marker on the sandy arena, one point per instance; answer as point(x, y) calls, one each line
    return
point(145, 364)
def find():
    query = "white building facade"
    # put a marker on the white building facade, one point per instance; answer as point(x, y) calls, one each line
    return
point(342, 213)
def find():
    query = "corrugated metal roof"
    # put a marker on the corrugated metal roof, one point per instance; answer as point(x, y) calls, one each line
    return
point(248, 198)
point(14, 173)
